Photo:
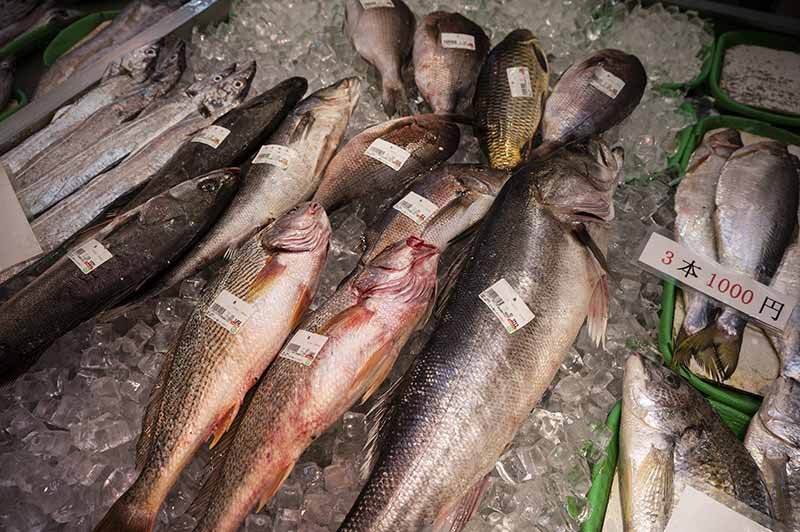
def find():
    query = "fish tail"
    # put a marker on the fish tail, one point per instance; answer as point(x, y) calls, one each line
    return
point(395, 99)
point(128, 514)
point(714, 349)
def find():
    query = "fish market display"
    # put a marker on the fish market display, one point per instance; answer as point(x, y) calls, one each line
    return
point(762, 77)
point(45, 14)
point(750, 241)
point(509, 99)
point(285, 172)
point(115, 261)
point(383, 34)
point(364, 327)
point(385, 159)
point(469, 390)
point(211, 367)
point(7, 70)
point(695, 203)
point(449, 50)
point(670, 438)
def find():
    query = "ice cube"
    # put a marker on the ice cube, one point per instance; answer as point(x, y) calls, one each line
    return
point(105, 387)
point(258, 523)
point(318, 508)
point(96, 357)
point(183, 522)
point(101, 433)
point(48, 442)
point(135, 386)
point(117, 483)
point(338, 478)
point(173, 310)
point(287, 520)
point(290, 495)
point(354, 426)
point(164, 336)
point(23, 422)
point(192, 289)
point(102, 335)
point(310, 476)
point(500, 497)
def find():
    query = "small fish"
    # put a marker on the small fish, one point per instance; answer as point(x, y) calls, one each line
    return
point(383, 36)
point(449, 50)
point(7, 71)
point(509, 99)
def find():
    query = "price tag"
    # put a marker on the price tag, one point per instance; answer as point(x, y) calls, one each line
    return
point(519, 81)
point(416, 207)
point(304, 347)
point(506, 304)
point(275, 155)
point(746, 295)
point(230, 311)
point(389, 154)
point(460, 41)
point(89, 255)
point(606, 82)
point(697, 512)
point(370, 4)
point(212, 136)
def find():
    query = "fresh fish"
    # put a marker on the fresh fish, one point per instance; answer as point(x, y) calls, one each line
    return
point(591, 97)
point(203, 98)
point(509, 100)
point(670, 437)
point(755, 219)
point(204, 378)
point(135, 17)
point(446, 74)
point(429, 139)
point(787, 281)
point(436, 437)
point(462, 195)
point(365, 323)
point(312, 132)
point(14, 10)
point(43, 15)
point(694, 224)
point(383, 36)
point(122, 77)
point(141, 242)
point(7, 70)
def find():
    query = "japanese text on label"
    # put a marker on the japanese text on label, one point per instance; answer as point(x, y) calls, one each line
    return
point(275, 155)
point(460, 41)
point(389, 154)
point(606, 82)
point(369, 4)
point(746, 295)
point(89, 255)
point(416, 207)
point(304, 347)
point(230, 311)
point(506, 304)
point(212, 136)
point(519, 81)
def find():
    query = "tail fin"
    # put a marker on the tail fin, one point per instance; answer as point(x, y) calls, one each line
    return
point(395, 99)
point(125, 516)
point(714, 349)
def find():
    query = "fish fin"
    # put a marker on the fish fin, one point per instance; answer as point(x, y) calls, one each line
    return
point(266, 276)
point(152, 413)
point(230, 253)
point(302, 128)
point(224, 424)
point(346, 319)
point(457, 259)
point(655, 476)
point(715, 351)
point(300, 307)
point(585, 238)
point(273, 487)
point(377, 419)
point(126, 516)
point(597, 318)
point(331, 144)
point(395, 99)
point(375, 371)
point(455, 517)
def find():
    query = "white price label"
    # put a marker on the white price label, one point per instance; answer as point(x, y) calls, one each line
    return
point(230, 311)
point(606, 82)
point(416, 207)
point(506, 304)
point(304, 347)
point(275, 155)
point(369, 4)
point(460, 41)
point(697, 512)
point(746, 295)
point(519, 81)
point(212, 136)
point(89, 255)
point(389, 154)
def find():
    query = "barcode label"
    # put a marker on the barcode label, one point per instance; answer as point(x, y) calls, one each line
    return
point(506, 304)
point(89, 255)
point(416, 207)
point(606, 82)
point(369, 4)
point(230, 311)
point(460, 41)
point(304, 347)
point(389, 154)
point(275, 155)
point(212, 136)
point(519, 81)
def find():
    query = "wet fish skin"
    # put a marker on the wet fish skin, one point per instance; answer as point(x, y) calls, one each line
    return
point(749, 241)
point(787, 281)
point(383, 36)
point(7, 70)
point(14, 10)
point(207, 374)
point(44, 14)
point(466, 394)
point(694, 222)
point(446, 77)
point(352, 175)
point(367, 322)
point(505, 125)
point(671, 437)
point(142, 241)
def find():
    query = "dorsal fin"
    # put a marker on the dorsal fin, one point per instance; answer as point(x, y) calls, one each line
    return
point(377, 419)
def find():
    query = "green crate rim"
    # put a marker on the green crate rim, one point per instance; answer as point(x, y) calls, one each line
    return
point(603, 475)
point(30, 41)
point(22, 98)
point(769, 40)
point(72, 34)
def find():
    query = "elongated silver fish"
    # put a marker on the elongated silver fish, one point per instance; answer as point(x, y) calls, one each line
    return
point(205, 377)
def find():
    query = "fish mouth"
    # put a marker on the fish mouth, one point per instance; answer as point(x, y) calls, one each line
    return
point(218, 179)
point(304, 228)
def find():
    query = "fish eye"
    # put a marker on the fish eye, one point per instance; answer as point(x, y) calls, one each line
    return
point(673, 380)
point(150, 51)
point(217, 78)
point(238, 84)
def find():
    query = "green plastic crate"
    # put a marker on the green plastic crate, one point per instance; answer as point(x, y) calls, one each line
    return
point(72, 34)
point(30, 41)
point(603, 475)
point(22, 100)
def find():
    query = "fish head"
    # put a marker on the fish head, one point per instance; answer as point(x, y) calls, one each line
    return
point(139, 63)
point(170, 66)
point(61, 16)
point(404, 273)
point(345, 92)
point(223, 91)
point(304, 228)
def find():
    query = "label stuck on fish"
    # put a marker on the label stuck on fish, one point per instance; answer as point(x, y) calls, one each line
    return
point(89, 255)
point(519, 81)
point(416, 207)
point(212, 136)
point(506, 304)
point(304, 347)
point(369, 4)
point(460, 41)
point(606, 82)
point(275, 155)
point(698, 511)
point(669, 259)
point(230, 311)
point(389, 154)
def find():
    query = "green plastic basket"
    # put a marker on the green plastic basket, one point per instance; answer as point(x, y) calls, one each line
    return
point(31, 41)
point(22, 100)
point(603, 476)
point(769, 40)
point(708, 56)
point(72, 34)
